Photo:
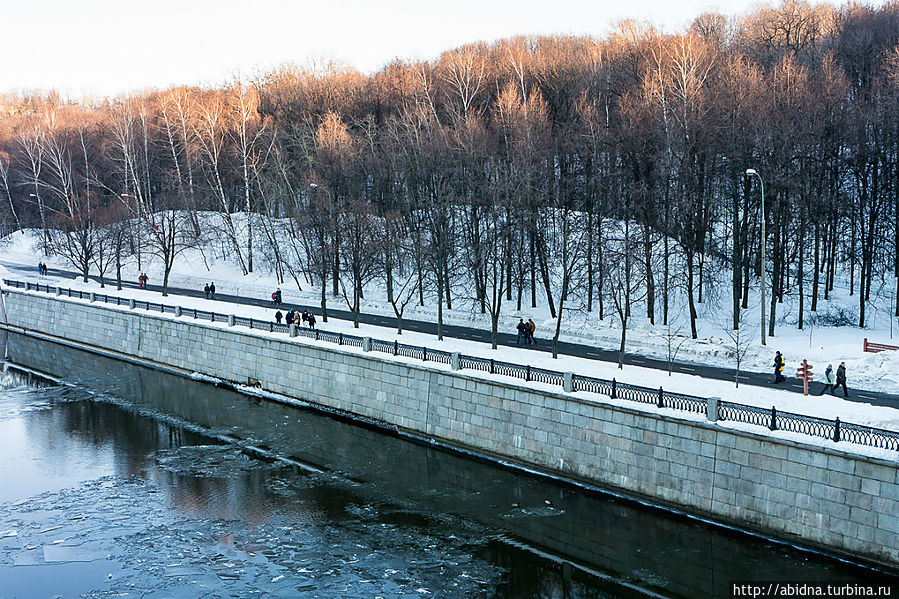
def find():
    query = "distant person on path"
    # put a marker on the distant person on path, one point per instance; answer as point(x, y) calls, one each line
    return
point(142, 279)
point(212, 291)
point(288, 318)
point(276, 297)
point(305, 317)
point(206, 290)
point(778, 368)
point(278, 316)
point(830, 381)
point(522, 336)
point(531, 328)
point(841, 379)
point(311, 320)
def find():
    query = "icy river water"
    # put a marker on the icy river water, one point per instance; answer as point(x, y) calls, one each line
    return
point(122, 481)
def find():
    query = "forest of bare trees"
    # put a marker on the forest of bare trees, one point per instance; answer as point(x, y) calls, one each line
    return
point(597, 174)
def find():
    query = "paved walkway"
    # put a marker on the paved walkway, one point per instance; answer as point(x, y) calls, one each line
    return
point(758, 379)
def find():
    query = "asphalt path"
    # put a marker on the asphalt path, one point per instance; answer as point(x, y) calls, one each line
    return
point(758, 379)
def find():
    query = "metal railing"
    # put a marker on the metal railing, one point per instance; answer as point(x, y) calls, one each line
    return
point(834, 430)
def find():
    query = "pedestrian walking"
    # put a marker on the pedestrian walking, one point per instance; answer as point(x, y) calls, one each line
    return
point(531, 329)
point(521, 332)
point(841, 379)
point(206, 290)
point(305, 317)
point(311, 318)
point(778, 368)
point(830, 381)
point(142, 279)
point(278, 316)
point(276, 297)
point(288, 318)
point(212, 291)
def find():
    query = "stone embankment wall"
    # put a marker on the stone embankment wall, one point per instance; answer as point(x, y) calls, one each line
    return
point(810, 495)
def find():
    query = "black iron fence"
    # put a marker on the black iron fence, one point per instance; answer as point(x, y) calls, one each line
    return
point(834, 430)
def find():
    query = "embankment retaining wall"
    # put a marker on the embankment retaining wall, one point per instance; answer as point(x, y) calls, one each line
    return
point(814, 496)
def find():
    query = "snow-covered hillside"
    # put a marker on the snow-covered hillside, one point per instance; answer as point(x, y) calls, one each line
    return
point(819, 344)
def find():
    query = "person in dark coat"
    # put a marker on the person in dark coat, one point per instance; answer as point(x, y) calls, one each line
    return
point(311, 319)
point(278, 316)
point(841, 378)
point(778, 368)
point(305, 317)
point(206, 290)
point(522, 336)
point(212, 291)
point(288, 318)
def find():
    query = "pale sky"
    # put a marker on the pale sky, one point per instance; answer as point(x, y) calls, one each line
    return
point(107, 47)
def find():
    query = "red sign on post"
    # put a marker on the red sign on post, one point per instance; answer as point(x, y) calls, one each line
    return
point(805, 373)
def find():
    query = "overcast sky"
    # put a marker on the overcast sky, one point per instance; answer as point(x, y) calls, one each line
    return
point(107, 47)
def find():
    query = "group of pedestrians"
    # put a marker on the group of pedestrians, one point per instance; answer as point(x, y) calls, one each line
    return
point(526, 332)
point(142, 280)
point(209, 290)
point(41, 268)
point(296, 317)
point(276, 297)
point(831, 380)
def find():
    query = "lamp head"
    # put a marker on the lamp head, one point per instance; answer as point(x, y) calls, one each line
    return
point(751, 171)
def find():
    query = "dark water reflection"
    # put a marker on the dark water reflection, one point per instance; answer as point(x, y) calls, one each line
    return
point(360, 513)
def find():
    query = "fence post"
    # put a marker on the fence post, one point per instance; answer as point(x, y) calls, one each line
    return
point(865, 345)
point(92, 297)
point(293, 330)
point(58, 291)
point(366, 344)
point(614, 388)
point(230, 320)
point(773, 425)
point(271, 327)
point(131, 304)
point(661, 403)
point(711, 411)
point(568, 382)
point(527, 372)
point(339, 338)
point(177, 311)
point(491, 365)
point(195, 312)
point(424, 353)
point(396, 345)
point(455, 362)
point(316, 334)
point(836, 430)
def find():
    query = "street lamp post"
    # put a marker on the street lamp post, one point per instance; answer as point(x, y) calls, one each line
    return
point(333, 245)
point(751, 171)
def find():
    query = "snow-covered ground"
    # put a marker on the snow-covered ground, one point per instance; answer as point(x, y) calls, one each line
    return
point(820, 345)
point(821, 406)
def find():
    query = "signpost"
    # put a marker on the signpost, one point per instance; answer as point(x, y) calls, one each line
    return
point(805, 373)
